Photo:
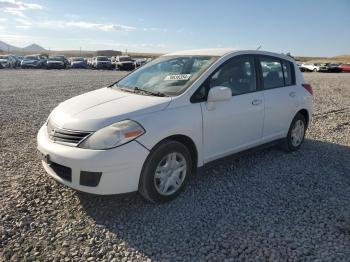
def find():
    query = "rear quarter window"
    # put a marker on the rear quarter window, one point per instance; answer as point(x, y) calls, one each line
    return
point(288, 72)
point(272, 72)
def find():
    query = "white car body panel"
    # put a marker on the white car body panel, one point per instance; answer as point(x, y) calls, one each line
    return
point(310, 67)
point(96, 109)
point(230, 126)
point(223, 125)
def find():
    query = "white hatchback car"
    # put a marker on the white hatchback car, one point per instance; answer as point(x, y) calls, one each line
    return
point(152, 129)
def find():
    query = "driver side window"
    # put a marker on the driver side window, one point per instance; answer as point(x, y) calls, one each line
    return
point(238, 74)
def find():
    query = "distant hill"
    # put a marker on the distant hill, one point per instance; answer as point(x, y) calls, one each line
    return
point(33, 48)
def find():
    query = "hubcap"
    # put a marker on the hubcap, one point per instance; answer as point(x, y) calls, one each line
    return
point(170, 173)
point(297, 133)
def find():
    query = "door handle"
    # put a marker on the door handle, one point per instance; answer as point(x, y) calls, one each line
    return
point(292, 94)
point(256, 102)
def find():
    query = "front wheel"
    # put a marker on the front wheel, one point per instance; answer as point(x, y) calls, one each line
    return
point(296, 133)
point(165, 172)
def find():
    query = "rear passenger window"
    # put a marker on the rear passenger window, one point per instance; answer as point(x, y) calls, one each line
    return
point(272, 72)
point(287, 71)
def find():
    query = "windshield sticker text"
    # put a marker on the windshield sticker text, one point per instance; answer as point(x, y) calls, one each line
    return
point(177, 77)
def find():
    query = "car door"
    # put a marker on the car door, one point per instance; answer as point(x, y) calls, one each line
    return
point(280, 96)
point(236, 124)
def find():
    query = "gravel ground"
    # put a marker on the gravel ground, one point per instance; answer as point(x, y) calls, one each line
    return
point(264, 206)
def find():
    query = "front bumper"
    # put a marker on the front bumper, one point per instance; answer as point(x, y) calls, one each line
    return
point(103, 66)
point(24, 65)
point(120, 167)
point(127, 66)
point(55, 65)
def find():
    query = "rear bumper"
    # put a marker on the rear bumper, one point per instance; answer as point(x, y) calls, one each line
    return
point(120, 167)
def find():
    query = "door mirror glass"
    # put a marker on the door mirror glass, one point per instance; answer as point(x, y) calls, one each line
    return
point(219, 93)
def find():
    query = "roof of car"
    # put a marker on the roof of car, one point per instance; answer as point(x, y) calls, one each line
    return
point(209, 51)
point(225, 51)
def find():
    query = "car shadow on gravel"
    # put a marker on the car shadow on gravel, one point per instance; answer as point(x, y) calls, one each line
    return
point(265, 200)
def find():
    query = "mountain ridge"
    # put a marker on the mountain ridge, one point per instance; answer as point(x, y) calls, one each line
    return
point(5, 47)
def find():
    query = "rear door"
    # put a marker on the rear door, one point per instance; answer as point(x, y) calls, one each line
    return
point(280, 95)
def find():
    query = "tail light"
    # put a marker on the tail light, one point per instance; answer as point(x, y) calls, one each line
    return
point(308, 87)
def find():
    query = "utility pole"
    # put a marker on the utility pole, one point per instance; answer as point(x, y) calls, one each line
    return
point(80, 51)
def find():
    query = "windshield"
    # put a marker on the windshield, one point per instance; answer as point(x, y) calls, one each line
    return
point(4, 57)
point(31, 57)
point(78, 59)
point(56, 58)
point(169, 75)
point(124, 58)
point(102, 58)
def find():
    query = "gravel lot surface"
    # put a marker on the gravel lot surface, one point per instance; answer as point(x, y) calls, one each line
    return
point(264, 206)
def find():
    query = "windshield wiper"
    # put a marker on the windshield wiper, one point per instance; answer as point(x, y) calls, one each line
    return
point(139, 90)
point(147, 92)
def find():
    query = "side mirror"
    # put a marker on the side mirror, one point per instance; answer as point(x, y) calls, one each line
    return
point(219, 93)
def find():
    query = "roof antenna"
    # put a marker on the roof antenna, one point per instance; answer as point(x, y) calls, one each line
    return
point(258, 47)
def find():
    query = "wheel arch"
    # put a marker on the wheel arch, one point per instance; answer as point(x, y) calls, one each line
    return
point(305, 114)
point(186, 141)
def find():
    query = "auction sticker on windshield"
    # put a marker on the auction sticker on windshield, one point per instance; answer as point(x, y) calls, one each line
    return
point(178, 77)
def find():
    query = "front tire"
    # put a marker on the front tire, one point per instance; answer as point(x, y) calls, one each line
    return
point(165, 172)
point(296, 134)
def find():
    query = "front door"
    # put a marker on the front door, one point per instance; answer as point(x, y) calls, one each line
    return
point(236, 124)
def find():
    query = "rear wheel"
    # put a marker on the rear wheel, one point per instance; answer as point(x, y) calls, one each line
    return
point(296, 133)
point(165, 172)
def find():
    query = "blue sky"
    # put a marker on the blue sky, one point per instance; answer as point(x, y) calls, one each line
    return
point(302, 27)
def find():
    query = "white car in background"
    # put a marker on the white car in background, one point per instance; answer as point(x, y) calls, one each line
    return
point(309, 67)
point(152, 129)
point(7, 61)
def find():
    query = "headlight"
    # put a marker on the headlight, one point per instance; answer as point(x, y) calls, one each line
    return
point(113, 135)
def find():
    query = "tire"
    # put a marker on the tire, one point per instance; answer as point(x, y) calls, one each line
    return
point(291, 143)
point(315, 70)
point(160, 161)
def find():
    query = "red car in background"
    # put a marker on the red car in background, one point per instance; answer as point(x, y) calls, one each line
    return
point(345, 68)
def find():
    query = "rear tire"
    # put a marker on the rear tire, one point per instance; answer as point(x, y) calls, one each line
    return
point(296, 134)
point(165, 172)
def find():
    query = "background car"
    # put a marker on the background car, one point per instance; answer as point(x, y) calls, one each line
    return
point(139, 62)
point(31, 61)
point(309, 67)
point(17, 61)
point(329, 68)
point(345, 67)
point(7, 61)
point(101, 62)
point(56, 62)
point(335, 68)
point(78, 62)
point(124, 63)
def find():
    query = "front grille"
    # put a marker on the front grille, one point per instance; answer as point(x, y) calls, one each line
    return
point(62, 171)
point(65, 136)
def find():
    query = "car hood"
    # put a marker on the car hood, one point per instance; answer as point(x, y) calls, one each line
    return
point(3, 60)
point(54, 61)
point(96, 109)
